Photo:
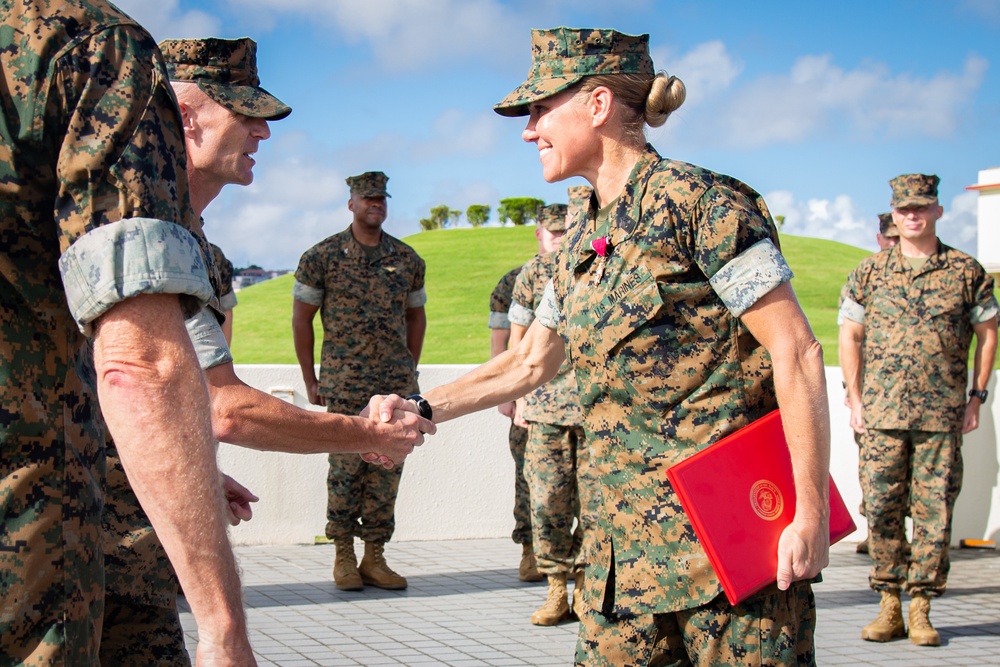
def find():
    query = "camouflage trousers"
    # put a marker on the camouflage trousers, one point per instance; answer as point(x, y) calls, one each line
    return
point(770, 628)
point(141, 625)
point(51, 571)
point(915, 472)
point(361, 499)
point(142, 634)
point(518, 438)
point(564, 491)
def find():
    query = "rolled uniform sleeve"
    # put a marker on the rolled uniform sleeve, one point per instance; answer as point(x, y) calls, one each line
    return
point(122, 208)
point(208, 339)
point(522, 300)
point(416, 298)
point(307, 294)
point(733, 244)
point(548, 314)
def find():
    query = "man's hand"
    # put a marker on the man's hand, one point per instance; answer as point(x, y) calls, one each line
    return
point(506, 409)
point(312, 393)
point(857, 417)
point(519, 419)
point(971, 421)
point(223, 654)
point(803, 550)
point(401, 429)
point(238, 499)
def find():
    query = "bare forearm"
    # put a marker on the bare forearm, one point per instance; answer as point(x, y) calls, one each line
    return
point(156, 405)
point(800, 383)
point(986, 349)
point(416, 328)
point(502, 379)
point(305, 341)
point(850, 357)
point(498, 341)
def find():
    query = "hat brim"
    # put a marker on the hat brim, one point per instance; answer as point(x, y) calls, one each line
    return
point(251, 101)
point(532, 90)
point(918, 200)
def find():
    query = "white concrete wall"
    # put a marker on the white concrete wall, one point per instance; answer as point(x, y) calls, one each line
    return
point(460, 484)
point(988, 241)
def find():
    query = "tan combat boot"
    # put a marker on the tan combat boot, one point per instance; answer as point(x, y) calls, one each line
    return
point(577, 606)
point(345, 566)
point(889, 623)
point(375, 571)
point(556, 608)
point(528, 569)
point(922, 633)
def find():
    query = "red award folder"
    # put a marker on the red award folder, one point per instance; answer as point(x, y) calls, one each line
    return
point(739, 495)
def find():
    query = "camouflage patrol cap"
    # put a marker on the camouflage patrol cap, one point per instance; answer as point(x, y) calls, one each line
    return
point(579, 201)
point(368, 184)
point(914, 190)
point(562, 56)
point(226, 71)
point(886, 225)
point(553, 217)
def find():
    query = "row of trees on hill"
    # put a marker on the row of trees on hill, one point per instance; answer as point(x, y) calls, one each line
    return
point(517, 210)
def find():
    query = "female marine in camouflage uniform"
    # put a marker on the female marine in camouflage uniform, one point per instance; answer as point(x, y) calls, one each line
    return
point(675, 306)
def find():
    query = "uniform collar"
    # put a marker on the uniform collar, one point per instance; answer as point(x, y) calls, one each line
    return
point(900, 264)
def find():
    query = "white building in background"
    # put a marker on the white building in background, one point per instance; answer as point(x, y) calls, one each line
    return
point(989, 218)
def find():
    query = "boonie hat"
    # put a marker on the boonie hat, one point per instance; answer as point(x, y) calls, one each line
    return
point(886, 225)
point(579, 201)
point(553, 217)
point(914, 190)
point(226, 71)
point(368, 184)
point(562, 56)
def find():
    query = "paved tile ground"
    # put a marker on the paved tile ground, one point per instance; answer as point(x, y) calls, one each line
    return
point(464, 607)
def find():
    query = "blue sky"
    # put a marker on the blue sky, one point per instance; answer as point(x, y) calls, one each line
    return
point(816, 108)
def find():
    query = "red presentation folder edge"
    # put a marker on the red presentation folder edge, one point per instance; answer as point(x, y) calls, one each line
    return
point(739, 495)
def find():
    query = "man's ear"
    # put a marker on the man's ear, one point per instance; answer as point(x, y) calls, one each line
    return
point(189, 122)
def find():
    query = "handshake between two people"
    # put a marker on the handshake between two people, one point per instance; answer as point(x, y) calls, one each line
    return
point(399, 428)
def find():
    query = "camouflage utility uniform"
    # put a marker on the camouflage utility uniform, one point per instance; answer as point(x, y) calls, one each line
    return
point(92, 155)
point(518, 436)
point(557, 462)
point(918, 326)
point(363, 295)
point(665, 368)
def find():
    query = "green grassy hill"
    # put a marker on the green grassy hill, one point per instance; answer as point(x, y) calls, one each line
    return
point(463, 267)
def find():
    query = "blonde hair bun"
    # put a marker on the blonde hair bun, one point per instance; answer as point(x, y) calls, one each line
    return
point(666, 95)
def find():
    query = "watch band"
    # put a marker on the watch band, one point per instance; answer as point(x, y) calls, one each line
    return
point(423, 407)
point(981, 394)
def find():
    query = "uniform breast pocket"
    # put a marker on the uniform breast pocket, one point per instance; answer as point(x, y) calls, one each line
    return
point(949, 317)
point(637, 344)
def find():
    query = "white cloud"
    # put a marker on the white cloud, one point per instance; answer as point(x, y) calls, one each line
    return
point(836, 219)
point(706, 70)
point(164, 19)
point(409, 34)
point(959, 226)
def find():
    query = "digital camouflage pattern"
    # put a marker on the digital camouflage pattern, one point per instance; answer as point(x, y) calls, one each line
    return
point(556, 401)
point(363, 298)
point(145, 635)
point(770, 628)
point(914, 190)
point(517, 437)
point(102, 147)
point(553, 217)
point(917, 320)
point(226, 70)
point(579, 203)
point(368, 184)
point(916, 474)
point(664, 368)
point(886, 225)
point(562, 56)
point(564, 490)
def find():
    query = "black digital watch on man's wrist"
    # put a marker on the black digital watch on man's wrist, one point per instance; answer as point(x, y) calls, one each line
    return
point(981, 394)
point(423, 407)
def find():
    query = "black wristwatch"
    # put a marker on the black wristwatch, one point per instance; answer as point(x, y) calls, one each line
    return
point(423, 407)
point(981, 394)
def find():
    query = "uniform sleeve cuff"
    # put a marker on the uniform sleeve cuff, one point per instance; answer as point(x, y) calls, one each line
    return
point(499, 320)
point(127, 258)
point(306, 294)
point(749, 276)
point(520, 315)
point(416, 299)
point(547, 312)
point(208, 339)
point(985, 311)
point(228, 301)
point(851, 310)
